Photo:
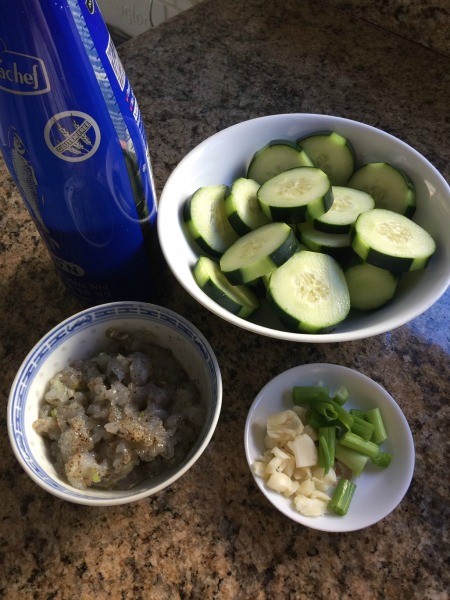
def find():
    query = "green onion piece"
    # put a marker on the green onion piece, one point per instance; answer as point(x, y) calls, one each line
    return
point(382, 459)
point(355, 461)
point(356, 442)
point(53, 413)
point(309, 393)
point(326, 410)
point(356, 412)
point(362, 428)
point(317, 420)
point(379, 433)
point(342, 395)
point(314, 394)
point(327, 442)
point(343, 416)
point(342, 496)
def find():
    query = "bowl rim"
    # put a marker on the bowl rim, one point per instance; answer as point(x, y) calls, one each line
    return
point(388, 324)
point(114, 311)
point(330, 523)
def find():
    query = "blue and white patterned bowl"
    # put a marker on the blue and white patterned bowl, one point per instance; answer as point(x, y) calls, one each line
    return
point(82, 336)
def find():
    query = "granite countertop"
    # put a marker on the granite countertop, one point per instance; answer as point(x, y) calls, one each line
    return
point(212, 534)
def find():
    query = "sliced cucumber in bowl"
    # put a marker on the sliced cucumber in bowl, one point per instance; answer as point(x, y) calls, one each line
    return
point(205, 217)
point(243, 208)
point(276, 157)
point(309, 292)
point(296, 195)
point(391, 241)
point(390, 187)
point(238, 299)
point(331, 152)
point(347, 204)
point(370, 287)
point(334, 244)
point(250, 230)
point(258, 253)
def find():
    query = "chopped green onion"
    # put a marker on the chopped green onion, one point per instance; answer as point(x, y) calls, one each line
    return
point(343, 416)
point(355, 461)
point(356, 412)
point(342, 496)
point(382, 459)
point(309, 393)
point(317, 420)
point(379, 433)
point(326, 410)
point(362, 428)
point(327, 443)
point(356, 442)
point(53, 413)
point(314, 394)
point(341, 396)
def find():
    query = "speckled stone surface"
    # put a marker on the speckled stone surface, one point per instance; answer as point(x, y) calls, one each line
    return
point(212, 535)
point(425, 22)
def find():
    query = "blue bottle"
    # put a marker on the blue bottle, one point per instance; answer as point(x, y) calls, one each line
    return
point(73, 139)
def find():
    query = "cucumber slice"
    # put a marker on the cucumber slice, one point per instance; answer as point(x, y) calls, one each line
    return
point(332, 153)
point(335, 244)
point(391, 241)
point(274, 158)
point(309, 292)
point(206, 219)
point(347, 205)
point(370, 287)
point(258, 253)
point(259, 286)
point(238, 299)
point(296, 195)
point(390, 187)
point(243, 208)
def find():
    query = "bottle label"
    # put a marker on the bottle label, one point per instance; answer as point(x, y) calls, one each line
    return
point(72, 135)
point(22, 74)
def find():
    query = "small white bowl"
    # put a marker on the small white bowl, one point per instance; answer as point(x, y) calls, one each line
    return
point(225, 156)
point(378, 491)
point(83, 336)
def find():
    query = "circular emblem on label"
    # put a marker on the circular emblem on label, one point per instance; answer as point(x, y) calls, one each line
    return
point(72, 135)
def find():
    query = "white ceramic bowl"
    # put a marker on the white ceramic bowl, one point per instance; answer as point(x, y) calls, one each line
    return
point(225, 156)
point(378, 491)
point(82, 336)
